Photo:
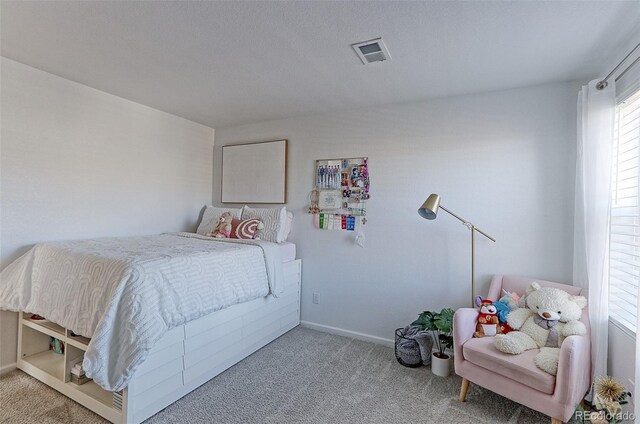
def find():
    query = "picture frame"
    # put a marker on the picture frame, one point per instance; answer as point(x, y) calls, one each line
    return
point(255, 172)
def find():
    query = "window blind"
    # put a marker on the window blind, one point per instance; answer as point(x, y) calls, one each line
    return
point(624, 267)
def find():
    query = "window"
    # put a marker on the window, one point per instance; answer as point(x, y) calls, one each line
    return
point(624, 269)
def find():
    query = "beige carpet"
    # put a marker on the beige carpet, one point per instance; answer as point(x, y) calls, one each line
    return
point(303, 377)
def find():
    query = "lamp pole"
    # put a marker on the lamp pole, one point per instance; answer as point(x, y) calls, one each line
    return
point(473, 263)
point(473, 230)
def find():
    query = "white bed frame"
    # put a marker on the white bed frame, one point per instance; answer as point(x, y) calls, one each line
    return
point(185, 358)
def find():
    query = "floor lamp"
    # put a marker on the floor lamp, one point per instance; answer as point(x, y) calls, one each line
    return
point(429, 210)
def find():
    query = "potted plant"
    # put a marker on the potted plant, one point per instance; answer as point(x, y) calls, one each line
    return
point(440, 324)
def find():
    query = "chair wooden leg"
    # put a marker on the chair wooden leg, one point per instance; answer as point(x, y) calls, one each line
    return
point(555, 421)
point(463, 390)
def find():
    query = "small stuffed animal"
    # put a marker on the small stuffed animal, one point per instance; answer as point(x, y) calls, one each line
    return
point(502, 311)
point(551, 316)
point(223, 227)
point(487, 318)
point(506, 304)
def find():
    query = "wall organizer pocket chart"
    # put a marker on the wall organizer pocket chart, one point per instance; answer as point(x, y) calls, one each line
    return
point(340, 194)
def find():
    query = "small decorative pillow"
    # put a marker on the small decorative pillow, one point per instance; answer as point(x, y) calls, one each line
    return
point(211, 217)
point(274, 220)
point(245, 229)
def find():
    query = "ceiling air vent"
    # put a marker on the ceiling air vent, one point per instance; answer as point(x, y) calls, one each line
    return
point(372, 51)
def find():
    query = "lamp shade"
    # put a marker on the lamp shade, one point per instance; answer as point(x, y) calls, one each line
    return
point(429, 209)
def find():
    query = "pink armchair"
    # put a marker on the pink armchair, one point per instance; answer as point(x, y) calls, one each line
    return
point(515, 376)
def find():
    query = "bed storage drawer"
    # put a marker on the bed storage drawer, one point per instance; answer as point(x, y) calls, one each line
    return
point(150, 379)
point(158, 358)
point(215, 334)
point(211, 350)
point(207, 322)
point(161, 389)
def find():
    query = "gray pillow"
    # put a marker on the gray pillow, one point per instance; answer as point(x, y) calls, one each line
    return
point(274, 220)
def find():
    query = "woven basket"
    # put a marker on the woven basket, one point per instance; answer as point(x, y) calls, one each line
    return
point(407, 350)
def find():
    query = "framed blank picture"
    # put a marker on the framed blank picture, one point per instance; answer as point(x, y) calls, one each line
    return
point(255, 172)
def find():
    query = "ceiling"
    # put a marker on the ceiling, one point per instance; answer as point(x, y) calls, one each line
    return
point(228, 63)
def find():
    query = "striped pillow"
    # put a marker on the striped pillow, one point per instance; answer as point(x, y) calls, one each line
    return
point(245, 229)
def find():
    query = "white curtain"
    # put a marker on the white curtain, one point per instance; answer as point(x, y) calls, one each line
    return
point(596, 116)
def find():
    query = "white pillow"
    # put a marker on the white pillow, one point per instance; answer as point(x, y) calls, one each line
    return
point(287, 225)
point(274, 220)
point(211, 216)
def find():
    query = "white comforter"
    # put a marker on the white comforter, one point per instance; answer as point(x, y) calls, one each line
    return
point(126, 293)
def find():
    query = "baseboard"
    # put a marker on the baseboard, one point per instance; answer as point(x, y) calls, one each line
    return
point(347, 333)
point(7, 368)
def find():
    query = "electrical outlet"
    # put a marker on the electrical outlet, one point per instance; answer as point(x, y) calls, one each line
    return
point(316, 298)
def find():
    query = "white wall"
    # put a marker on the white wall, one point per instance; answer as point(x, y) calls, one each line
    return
point(504, 160)
point(77, 162)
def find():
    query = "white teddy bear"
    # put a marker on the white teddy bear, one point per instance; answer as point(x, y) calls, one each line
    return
point(551, 316)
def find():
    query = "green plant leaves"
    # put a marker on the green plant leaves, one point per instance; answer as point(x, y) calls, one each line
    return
point(444, 320)
point(425, 321)
point(441, 326)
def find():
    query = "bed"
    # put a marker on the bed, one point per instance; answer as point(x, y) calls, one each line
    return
point(157, 328)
